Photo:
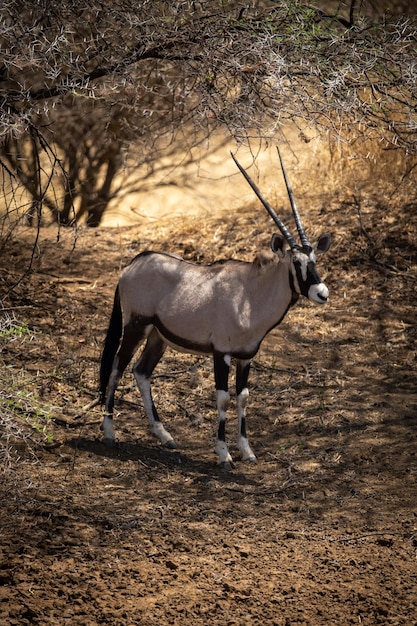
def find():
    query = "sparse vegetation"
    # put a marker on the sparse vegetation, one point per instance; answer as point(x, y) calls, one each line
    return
point(25, 420)
point(12, 329)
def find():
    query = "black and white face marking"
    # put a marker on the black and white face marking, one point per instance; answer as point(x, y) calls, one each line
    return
point(307, 278)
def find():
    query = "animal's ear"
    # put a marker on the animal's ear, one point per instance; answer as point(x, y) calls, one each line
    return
point(278, 244)
point(323, 243)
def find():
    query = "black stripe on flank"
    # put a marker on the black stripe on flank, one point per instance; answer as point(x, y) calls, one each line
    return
point(199, 348)
point(181, 342)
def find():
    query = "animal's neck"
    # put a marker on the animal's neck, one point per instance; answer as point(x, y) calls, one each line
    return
point(295, 295)
point(275, 289)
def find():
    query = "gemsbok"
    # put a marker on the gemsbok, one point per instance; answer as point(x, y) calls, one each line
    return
point(224, 309)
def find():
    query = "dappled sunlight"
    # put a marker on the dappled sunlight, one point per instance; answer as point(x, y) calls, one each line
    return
point(328, 510)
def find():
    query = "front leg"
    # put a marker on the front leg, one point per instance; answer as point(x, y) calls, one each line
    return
point(221, 376)
point(242, 393)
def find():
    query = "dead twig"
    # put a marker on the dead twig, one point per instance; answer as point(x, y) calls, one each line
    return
point(266, 492)
point(86, 408)
point(362, 227)
point(66, 424)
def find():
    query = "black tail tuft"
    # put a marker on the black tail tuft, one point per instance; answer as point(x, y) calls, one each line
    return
point(111, 345)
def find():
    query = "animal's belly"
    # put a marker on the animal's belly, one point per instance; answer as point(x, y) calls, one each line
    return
point(225, 345)
point(181, 344)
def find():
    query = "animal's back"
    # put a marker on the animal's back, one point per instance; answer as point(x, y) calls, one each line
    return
point(156, 279)
point(209, 307)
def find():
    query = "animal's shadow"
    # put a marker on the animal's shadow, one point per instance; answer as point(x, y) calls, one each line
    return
point(158, 456)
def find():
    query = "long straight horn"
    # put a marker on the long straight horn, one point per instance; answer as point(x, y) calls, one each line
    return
point(284, 230)
point(303, 237)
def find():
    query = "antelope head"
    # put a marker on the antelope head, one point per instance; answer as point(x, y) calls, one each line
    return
point(303, 256)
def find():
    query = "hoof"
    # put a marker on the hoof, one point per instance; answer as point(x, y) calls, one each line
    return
point(227, 466)
point(109, 443)
point(250, 459)
point(170, 445)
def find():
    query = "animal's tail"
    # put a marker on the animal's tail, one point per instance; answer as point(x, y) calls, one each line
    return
point(111, 345)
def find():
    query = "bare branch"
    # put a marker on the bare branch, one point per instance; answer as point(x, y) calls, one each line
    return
point(96, 79)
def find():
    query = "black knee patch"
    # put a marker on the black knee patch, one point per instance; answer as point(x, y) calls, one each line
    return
point(221, 371)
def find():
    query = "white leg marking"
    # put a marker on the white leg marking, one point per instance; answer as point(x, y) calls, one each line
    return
point(223, 400)
point(157, 427)
point(107, 423)
point(163, 435)
point(245, 450)
point(242, 441)
point(223, 452)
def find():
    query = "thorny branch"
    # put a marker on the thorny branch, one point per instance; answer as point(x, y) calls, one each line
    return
point(94, 79)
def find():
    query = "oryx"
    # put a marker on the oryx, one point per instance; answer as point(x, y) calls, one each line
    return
point(224, 309)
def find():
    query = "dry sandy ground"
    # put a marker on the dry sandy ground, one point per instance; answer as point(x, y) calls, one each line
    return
point(322, 530)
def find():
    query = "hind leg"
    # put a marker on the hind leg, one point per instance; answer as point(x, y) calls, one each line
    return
point(242, 393)
point(150, 357)
point(133, 335)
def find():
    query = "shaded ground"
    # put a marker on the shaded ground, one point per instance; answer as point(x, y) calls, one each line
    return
point(323, 530)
